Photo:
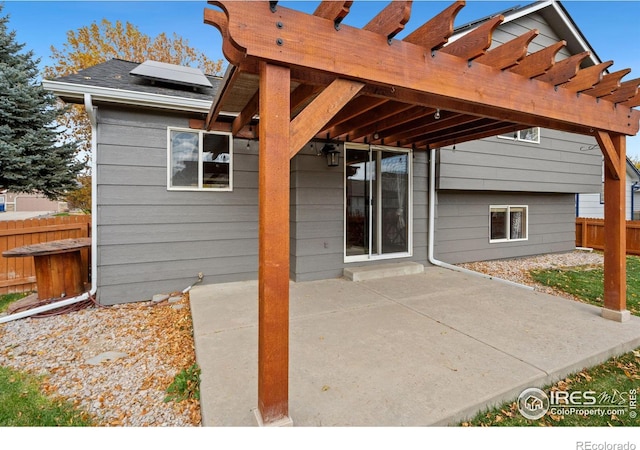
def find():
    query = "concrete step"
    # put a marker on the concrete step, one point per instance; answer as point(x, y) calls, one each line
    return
point(363, 273)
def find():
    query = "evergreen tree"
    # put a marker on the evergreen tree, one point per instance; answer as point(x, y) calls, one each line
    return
point(31, 158)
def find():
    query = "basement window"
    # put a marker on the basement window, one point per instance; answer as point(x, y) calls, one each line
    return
point(198, 161)
point(508, 223)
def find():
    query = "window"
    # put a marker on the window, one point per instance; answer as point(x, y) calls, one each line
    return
point(508, 223)
point(199, 161)
point(529, 135)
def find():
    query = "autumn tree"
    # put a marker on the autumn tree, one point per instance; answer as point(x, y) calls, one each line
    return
point(31, 157)
point(81, 198)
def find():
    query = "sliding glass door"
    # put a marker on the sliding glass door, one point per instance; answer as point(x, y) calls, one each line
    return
point(377, 202)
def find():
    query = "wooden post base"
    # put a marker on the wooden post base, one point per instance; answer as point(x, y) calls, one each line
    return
point(284, 422)
point(618, 316)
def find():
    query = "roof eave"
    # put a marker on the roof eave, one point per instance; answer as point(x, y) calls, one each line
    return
point(75, 92)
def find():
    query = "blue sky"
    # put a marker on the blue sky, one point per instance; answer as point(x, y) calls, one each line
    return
point(611, 27)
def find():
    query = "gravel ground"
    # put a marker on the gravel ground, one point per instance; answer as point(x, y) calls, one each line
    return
point(154, 341)
point(158, 343)
point(517, 269)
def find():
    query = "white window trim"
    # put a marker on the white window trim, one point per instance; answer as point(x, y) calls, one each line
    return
point(200, 188)
point(369, 256)
point(508, 208)
point(519, 139)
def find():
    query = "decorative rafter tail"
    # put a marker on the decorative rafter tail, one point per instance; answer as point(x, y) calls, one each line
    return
point(626, 91)
point(587, 78)
point(219, 20)
point(508, 54)
point(333, 10)
point(391, 20)
point(608, 84)
point(476, 42)
point(538, 63)
point(633, 102)
point(563, 70)
point(437, 31)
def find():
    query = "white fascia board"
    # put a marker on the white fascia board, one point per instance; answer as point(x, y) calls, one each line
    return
point(110, 95)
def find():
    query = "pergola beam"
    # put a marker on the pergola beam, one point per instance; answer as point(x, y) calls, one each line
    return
point(315, 115)
point(367, 56)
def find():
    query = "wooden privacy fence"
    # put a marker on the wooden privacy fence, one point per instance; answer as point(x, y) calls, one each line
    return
point(18, 274)
point(590, 233)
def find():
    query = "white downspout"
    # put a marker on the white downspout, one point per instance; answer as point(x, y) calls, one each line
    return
point(432, 228)
point(88, 105)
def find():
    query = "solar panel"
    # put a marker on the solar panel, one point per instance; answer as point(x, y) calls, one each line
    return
point(172, 73)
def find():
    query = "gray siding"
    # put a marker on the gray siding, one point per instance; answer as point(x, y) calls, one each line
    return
point(317, 216)
point(151, 240)
point(462, 225)
point(562, 162)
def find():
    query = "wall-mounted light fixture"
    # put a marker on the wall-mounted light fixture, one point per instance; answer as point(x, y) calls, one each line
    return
point(436, 115)
point(332, 154)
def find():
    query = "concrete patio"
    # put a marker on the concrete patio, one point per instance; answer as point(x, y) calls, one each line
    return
point(414, 350)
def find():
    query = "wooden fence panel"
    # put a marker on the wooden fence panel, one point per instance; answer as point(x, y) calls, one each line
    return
point(590, 233)
point(18, 274)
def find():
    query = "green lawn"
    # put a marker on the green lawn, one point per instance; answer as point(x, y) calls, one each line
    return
point(586, 283)
point(23, 405)
point(618, 378)
point(7, 299)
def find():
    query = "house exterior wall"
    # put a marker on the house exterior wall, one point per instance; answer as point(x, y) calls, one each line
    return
point(561, 162)
point(151, 240)
point(317, 216)
point(462, 225)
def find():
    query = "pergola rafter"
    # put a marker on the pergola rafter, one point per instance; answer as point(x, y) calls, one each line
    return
point(363, 85)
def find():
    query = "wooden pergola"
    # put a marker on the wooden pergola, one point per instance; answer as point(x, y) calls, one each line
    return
point(319, 78)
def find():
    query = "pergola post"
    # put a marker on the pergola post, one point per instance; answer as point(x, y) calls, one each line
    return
point(613, 148)
point(273, 246)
